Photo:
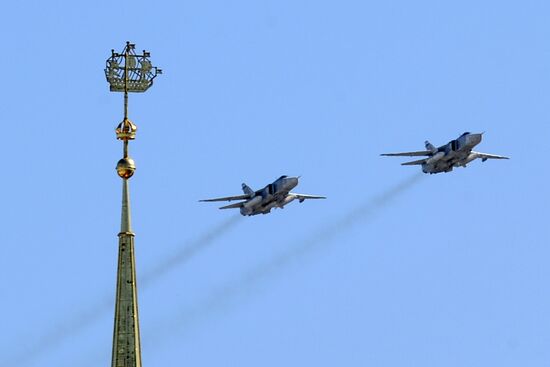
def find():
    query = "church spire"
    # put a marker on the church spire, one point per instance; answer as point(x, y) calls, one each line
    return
point(127, 72)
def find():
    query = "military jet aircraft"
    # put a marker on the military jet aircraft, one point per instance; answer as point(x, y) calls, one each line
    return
point(274, 195)
point(456, 153)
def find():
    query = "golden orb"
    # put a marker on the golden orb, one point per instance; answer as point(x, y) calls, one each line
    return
point(126, 167)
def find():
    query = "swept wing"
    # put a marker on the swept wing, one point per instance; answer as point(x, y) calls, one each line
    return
point(485, 156)
point(303, 197)
point(409, 154)
point(420, 161)
point(229, 198)
point(233, 206)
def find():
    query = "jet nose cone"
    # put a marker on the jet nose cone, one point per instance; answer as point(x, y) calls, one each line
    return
point(292, 182)
point(475, 139)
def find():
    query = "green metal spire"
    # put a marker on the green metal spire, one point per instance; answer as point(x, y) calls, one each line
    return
point(127, 72)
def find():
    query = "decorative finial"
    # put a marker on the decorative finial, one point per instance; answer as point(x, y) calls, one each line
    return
point(126, 168)
point(126, 130)
point(130, 72)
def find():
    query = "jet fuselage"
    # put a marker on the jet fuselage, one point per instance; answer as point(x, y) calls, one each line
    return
point(274, 195)
point(455, 153)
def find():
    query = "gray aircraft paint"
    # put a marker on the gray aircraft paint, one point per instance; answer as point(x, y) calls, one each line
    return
point(274, 195)
point(456, 153)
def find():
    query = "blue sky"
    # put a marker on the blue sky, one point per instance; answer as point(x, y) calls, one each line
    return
point(451, 270)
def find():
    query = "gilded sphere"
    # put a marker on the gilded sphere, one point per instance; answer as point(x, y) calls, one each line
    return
point(126, 167)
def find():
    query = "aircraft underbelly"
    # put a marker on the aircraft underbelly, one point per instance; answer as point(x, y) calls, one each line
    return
point(449, 161)
point(443, 165)
point(267, 204)
point(438, 167)
point(253, 203)
point(263, 206)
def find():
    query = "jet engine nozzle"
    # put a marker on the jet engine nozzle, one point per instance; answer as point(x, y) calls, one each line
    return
point(435, 157)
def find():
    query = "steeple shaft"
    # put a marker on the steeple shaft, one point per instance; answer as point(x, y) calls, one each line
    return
point(126, 337)
point(127, 72)
point(126, 219)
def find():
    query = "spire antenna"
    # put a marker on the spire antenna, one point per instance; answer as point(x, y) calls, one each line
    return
point(127, 72)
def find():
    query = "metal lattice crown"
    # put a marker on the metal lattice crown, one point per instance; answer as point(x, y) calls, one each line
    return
point(127, 71)
point(126, 130)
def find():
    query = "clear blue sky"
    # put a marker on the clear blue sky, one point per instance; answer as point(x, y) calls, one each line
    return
point(453, 271)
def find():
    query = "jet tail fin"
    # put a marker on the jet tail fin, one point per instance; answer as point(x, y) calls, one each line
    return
point(429, 146)
point(247, 190)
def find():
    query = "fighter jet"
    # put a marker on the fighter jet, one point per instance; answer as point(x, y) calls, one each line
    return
point(456, 153)
point(274, 195)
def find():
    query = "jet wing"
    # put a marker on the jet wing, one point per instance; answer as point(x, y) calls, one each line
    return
point(485, 156)
point(420, 161)
point(233, 206)
point(409, 154)
point(228, 198)
point(303, 197)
